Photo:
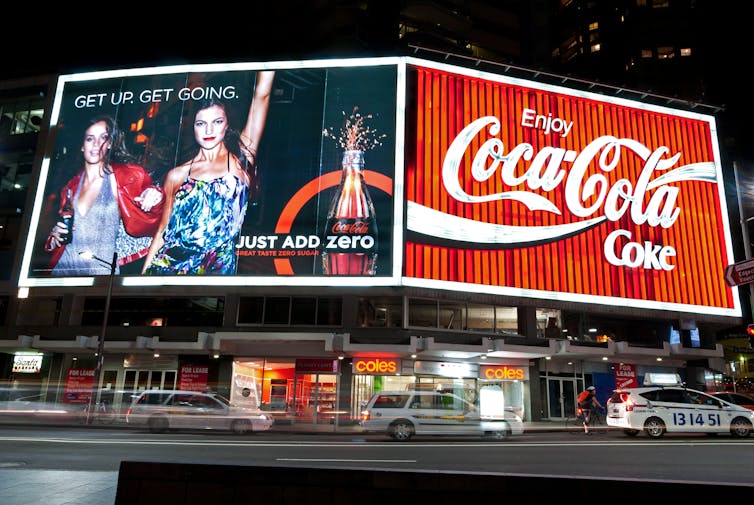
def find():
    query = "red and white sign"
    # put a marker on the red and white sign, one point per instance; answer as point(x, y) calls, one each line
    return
point(625, 376)
point(78, 385)
point(521, 188)
point(193, 377)
point(316, 365)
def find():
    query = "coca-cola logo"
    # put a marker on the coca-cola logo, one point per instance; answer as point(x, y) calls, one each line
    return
point(350, 228)
point(587, 193)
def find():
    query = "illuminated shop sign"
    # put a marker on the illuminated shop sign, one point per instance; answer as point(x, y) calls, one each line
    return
point(316, 365)
point(503, 372)
point(535, 190)
point(445, 369)
point(27, 363)
point(315, 208)
point(376, 366)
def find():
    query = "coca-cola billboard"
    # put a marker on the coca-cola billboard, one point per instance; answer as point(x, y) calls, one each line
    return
point(535, 190)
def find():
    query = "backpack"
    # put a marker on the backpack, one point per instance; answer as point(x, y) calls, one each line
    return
point(583, 397)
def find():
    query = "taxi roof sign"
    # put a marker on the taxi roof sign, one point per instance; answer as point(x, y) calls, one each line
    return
point(662, 379)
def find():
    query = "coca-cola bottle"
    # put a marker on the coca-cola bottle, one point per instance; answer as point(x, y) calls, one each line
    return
point(350, 239)
point(66, 216)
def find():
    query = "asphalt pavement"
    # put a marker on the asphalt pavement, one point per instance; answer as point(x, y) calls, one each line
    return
point(20, 485)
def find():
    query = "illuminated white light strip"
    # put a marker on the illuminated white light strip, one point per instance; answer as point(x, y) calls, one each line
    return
point(56, 282)
point(205, 280)
point(435, 223)
point(231, 67)
point(572, 297)
point(398, 175)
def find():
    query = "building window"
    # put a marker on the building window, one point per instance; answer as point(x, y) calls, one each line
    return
point(39, 312)
point(685, 51)
point(290, 311)
point(382, 312)
point(593, 26)
point(462, 316)
point(665, 52)
point(201, 312)
point(23, 116)
point(646, 53)
point(595, 48)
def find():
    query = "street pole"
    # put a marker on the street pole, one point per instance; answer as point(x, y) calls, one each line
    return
point(101, 340)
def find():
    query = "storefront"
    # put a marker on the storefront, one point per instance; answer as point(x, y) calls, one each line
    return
point(494, 387)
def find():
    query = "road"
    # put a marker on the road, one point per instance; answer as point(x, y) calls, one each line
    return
point(79, 465)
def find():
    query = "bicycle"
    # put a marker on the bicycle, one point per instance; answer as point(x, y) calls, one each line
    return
point(597, 424)
point(104, 413)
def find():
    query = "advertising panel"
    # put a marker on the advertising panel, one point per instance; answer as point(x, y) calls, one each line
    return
point(526, 189)
point(275, 173)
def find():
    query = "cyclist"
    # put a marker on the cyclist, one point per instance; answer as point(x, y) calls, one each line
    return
point(587, 401)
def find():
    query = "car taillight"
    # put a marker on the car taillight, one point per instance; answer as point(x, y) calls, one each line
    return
point(626, 398)
point(365, 415)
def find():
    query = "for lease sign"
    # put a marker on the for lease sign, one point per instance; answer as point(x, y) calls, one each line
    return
point(520, 188)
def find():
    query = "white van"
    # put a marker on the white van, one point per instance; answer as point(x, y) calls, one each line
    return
point(665, 405)
point(403, 414)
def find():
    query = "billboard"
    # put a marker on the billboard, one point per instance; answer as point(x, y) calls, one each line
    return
point(525, 189)
point(398, 171)
point(273, 173)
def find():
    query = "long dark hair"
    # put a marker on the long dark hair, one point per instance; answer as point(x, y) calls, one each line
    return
point(118, 151)
point(232, 142)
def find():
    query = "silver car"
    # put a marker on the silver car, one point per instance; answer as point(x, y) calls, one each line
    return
point(403, 414)
point(162, 410)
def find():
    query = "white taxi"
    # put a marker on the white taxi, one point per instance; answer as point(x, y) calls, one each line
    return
point(665, 405)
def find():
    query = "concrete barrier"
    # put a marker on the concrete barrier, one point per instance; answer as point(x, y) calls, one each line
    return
point(146, 483)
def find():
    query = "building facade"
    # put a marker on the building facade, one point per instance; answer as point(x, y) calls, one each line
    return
point(478, 258)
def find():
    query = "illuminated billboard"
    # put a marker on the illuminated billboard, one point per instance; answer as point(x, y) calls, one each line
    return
point(381, 172)
point(526, 189)
point(239, 174)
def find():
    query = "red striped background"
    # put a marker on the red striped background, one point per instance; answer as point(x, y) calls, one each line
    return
point(447, 102)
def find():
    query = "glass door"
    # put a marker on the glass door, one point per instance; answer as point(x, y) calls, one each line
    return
point(561, 398)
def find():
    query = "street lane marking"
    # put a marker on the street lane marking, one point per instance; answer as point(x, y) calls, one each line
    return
point(326, 460)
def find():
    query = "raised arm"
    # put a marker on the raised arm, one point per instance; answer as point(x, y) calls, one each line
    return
point(257, 118)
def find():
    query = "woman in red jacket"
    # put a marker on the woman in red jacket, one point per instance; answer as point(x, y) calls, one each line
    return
point(114, 205)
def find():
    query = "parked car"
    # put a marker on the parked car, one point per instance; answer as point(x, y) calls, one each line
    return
point(670, 407)
point(403, 414)
point(36, 408)
point(162, 410)
point(741, 399)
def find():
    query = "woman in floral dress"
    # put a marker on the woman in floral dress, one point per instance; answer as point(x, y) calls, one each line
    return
point(208, 195)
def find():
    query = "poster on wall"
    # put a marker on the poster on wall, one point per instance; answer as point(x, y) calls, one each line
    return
point(193, 377)
point(625, 376)
point(529, 189)
point(219, 174)
point(78, 385)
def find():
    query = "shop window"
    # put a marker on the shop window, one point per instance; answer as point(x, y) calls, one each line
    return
point(422, 313)
point(380, 312)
